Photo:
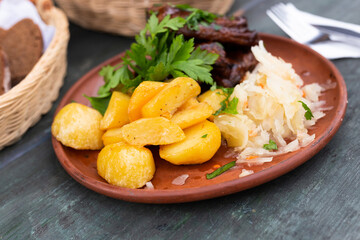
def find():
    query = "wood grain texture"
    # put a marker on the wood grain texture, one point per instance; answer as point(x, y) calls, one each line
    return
point(318, 200)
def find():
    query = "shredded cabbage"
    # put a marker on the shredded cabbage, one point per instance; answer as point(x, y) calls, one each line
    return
point(269, 109)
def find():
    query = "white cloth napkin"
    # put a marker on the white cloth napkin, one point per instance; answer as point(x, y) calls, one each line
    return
point(13, 11)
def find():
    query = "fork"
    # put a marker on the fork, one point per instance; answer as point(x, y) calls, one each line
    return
point(290, 22)
point(331, 46)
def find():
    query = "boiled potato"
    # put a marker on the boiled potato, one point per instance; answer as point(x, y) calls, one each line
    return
point(78, 126)
point(125, 165)
point(152, 131)
point(192, 115)
point(171, 97)
point(213, 98)
point(142, 94)
point(201, 143)
point(116, 114)
point(113, 135)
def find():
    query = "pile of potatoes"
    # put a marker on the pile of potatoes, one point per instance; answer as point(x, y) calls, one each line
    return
point(166, 114)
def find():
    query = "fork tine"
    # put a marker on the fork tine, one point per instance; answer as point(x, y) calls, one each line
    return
point(288, 19)
point(282, 24)
point(282, 20)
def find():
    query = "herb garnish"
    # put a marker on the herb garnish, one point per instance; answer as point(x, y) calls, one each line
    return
point(99, 103)
point(308, 114)
point(270, 146)
point(217, 27)
point(157, 54)
point(220, 170)
point(227, 106)
point(198, 17)
point(204, 136)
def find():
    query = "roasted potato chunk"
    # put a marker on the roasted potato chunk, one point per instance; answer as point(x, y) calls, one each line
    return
point(171, 97)
point(188, 104)
point(125, 165)
point(201, 143)
point(213, 98)
point(113, 135)
point(192, 115)
point(78, 126)
point(116, 114)
point(142, 94)
point(152, 131)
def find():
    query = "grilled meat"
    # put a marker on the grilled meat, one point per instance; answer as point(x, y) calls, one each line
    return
point(223, 29)
point(228, 72)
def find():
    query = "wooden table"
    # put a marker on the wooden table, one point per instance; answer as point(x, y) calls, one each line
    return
point(318, 200)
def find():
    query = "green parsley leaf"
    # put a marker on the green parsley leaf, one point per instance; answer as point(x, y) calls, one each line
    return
point(308, 114)
point(158, 54)
point(207, 57)
point(227, 105)
point(270, 146)
point(197, 17)
point(216, 27)
point(194, 69)
point(231, 107)
point(227, 91)
point(155, 27)
point(220, 170)
point(99, 103)
point(204, 136)
point(185, 7)
point(213, 87)
point(158, 72)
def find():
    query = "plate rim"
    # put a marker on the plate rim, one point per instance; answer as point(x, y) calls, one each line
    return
point(214, 190)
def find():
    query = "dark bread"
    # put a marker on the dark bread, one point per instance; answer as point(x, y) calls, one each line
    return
point(5, 80)
point(23, 45)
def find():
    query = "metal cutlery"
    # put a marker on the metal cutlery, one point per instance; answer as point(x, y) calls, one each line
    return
point(327, 23)
point(331, 44)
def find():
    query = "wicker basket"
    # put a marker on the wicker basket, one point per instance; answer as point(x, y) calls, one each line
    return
point(23, 105)
point(125, 17)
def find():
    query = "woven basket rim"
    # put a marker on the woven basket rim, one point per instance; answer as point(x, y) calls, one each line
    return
point(125, 17)
point(50, 52)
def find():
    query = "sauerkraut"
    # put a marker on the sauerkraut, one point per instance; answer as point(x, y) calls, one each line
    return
point(269, 108)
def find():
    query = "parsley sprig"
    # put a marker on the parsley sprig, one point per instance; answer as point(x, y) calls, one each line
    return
point(227, 105)
point(156, 55)
point(220, 170)
point(198, 17)
point(271, 145)
point(308, 114)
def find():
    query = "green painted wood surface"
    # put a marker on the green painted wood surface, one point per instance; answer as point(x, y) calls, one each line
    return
point(318, 200)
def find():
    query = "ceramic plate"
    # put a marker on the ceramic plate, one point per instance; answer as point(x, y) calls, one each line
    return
point(311, 66)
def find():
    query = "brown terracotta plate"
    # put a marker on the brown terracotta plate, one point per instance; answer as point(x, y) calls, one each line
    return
point(81, 165)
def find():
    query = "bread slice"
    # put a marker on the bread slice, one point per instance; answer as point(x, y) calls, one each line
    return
point(5, 79)
point(23, 45)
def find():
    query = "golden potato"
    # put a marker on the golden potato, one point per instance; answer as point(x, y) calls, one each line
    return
point(213, 98)
point(201, 143)
point(116, 114)
point(125, 165)
point(152, 131)
point(142, 94)
point(188, 104)
point(192, 115)
point(113, 135)
point(78, 126)
point(171, 97)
